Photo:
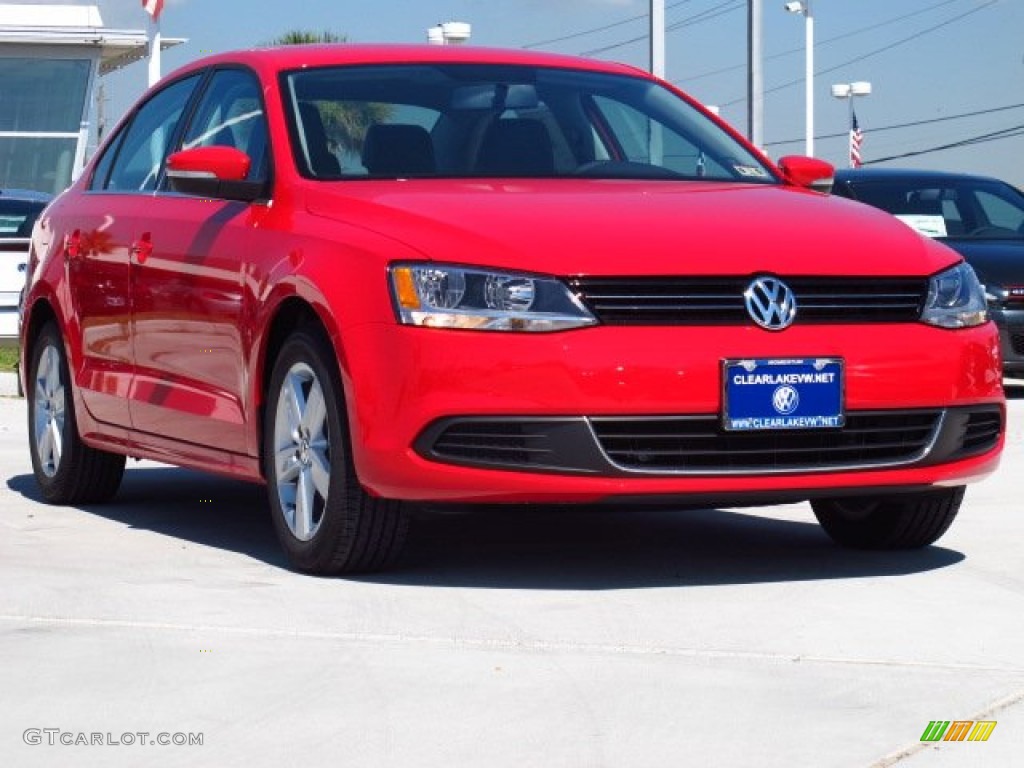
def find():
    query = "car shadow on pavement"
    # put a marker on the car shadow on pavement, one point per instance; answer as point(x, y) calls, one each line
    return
point(191, 506)
point(597, 548)
point(525, 547)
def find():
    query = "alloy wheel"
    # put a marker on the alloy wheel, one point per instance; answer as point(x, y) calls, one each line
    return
point(302, 451)
point(49, 408)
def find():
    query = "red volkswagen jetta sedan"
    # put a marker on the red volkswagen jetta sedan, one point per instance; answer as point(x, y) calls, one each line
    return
point(375, 276)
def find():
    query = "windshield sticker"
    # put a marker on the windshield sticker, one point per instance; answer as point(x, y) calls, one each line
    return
point(930, 225)
point(751, 171)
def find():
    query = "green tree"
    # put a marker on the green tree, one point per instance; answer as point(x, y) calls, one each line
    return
point(345, 123)
point(308, 37)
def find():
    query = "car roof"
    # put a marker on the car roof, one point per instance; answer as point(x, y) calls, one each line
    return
point(907, 174)
point(27, 195)
point(289, 57)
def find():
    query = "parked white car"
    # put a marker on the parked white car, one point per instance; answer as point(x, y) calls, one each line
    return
point(19, 209)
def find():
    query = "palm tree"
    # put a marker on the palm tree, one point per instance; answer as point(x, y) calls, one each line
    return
point(345, 123)
point(308, 37)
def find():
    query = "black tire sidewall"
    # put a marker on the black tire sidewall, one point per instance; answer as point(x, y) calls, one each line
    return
point(902, 521)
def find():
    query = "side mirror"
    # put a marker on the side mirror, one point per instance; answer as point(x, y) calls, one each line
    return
point(808, 172)
point(214, 172)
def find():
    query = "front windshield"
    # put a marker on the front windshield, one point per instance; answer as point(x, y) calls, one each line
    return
point(475, 120)
point(968, 209)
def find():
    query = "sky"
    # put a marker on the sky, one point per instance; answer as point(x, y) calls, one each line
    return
point(929, 61)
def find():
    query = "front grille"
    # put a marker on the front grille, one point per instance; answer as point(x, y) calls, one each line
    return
point(719, 300)
point(1017, 342)
point(699, 443)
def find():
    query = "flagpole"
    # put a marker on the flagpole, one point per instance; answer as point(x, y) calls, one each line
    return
point(154, 51)
point(849, 123)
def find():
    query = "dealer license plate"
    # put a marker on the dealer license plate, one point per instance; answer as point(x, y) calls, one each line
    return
point(783, 394)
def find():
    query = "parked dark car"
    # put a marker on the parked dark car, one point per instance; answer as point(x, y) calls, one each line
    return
point(979, 217)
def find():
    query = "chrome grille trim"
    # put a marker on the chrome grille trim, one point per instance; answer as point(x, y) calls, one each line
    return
point(719, 300)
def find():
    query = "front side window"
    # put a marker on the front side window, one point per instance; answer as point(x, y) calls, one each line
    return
point(1002, 211)
point(141, 153)
point(230, 114)
point(472, 120)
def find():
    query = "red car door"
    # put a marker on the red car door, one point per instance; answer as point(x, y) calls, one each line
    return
point(188, 307)
point(96, 244)
point(190, 300)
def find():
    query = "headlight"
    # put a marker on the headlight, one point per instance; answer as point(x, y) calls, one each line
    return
point(444, 296)
point(955, 299)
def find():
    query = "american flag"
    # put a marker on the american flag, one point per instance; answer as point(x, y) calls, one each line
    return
point(153, 8)
point(856, 139)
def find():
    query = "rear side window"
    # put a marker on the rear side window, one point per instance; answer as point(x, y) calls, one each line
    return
point(102, 172)
point(140, 157)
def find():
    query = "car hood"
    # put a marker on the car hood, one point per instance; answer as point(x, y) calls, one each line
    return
point(997, 262)
point(616, 227)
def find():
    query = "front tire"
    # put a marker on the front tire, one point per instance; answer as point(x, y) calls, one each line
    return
point(325, 521)
point(907, 521)
point(67, 470)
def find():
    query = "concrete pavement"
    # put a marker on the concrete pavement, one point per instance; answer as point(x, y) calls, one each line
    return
point(515, 638)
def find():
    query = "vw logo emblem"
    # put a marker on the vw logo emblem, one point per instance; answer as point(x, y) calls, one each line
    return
point(770, 303)
point(785, 399)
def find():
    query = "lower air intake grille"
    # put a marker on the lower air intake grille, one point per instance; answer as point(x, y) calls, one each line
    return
point(699, 443)
point(495, 442)
point(617, 446)
point(982, 432)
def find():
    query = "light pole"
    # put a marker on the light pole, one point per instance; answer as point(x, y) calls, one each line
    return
point(850, 91)
point(804, 7)
point(658, 38)
point(755, 76)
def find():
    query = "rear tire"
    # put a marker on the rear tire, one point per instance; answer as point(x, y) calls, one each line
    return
point(67, 470)
point(325, 521)
point(908, 521)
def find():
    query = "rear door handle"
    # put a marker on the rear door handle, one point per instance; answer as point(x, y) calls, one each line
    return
point(142, 248)
point(73, 245)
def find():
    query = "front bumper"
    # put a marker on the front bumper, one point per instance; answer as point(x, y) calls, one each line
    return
point(406, 386)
